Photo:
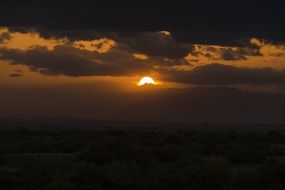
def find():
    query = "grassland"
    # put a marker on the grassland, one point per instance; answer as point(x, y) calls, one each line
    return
point(130, 159)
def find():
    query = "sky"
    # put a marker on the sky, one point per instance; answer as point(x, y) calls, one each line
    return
point(212, 61)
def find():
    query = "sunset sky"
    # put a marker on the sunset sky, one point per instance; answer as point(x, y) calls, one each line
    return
point(212, 61)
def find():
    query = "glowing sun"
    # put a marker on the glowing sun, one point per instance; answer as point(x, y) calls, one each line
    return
point(146, 80)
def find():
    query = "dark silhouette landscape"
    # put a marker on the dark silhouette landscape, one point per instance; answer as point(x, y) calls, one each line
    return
point(78, 154)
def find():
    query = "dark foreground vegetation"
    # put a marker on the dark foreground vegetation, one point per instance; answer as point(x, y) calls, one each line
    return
point(32, 159)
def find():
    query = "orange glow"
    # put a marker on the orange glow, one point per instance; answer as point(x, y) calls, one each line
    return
point(26, 41)
point(99, 45)
point(140, 56)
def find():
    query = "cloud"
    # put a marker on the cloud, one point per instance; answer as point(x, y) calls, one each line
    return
point(102, 45)
point(126, 55)
point(119, 61)
point(4, 36)
point(73, 34)
point(217, 53)
point(69, 61)
point(218, 74)
point(140, 56)
point(241, 53)
point(203, 22)
point(15, 75)
point(129, 54)
point(158, 44)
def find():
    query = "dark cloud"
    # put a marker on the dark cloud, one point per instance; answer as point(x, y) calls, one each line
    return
point(227, 53)
point(150, 43)
point(206, 22)
point(230, 36)
point(156, 44)
point(71, 34)
point(15, 75)
point(70, 61)
point(74, 62)
point(218, 74)
point(4, 36)
point(241, 53)
point(232, 56)
point(119, 60)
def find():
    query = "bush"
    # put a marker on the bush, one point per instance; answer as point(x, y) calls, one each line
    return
point(268, 176)
point(100, 153)
point(206, 174)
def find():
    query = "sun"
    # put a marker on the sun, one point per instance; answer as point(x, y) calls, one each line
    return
point(146, 80)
